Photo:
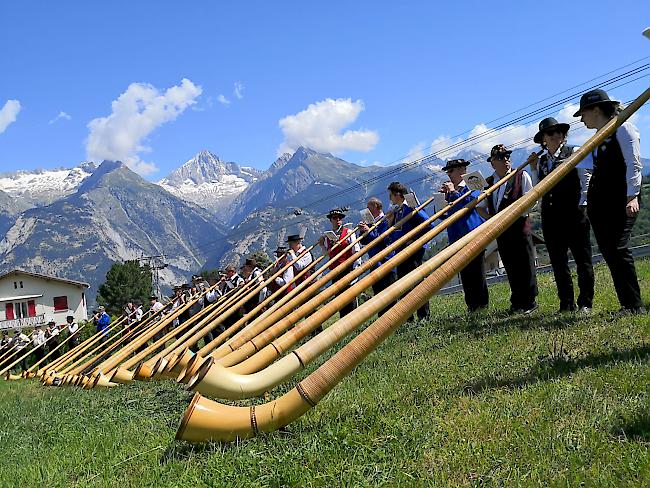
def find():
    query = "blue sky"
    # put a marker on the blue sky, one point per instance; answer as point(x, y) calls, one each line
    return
point(397, 77)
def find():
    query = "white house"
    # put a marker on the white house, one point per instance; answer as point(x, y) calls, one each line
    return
point(28, 299)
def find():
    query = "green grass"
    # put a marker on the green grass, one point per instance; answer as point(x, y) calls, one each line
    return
point(547, 400)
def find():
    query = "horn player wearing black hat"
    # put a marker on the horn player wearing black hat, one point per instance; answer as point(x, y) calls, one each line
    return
point(564, 215)
point(334, 244)
point(516, 243)
point(472, 277)
point(613, 196)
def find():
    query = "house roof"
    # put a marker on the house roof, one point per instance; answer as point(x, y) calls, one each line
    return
point(80, 284)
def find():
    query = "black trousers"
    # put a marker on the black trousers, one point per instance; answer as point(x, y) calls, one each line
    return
point(569, 230)
point(381, 285)
point(612, 228)
point(472, 278)
point(518, 256)
point(405, 268)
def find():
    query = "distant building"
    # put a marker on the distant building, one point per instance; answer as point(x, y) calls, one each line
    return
point(29, 299)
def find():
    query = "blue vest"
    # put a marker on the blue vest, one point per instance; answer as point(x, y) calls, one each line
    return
point(466, 223)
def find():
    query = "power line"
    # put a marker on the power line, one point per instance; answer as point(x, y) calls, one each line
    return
point(464, 144)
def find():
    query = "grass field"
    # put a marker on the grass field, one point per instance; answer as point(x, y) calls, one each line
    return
point(493, 400)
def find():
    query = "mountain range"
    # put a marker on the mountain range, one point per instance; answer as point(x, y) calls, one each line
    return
point(207, 213)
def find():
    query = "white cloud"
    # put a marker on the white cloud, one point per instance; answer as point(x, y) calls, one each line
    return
point(136, 113)
point(320, 127)
point(238, 89)
point(223, 100)
point(8, 114)
point(416, 152)
point(61, 115)
point(482, 141)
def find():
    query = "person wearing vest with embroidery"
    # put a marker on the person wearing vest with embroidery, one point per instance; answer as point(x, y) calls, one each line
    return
point(296, 249)
point(282, 253)
point(613, 197)
point(332, 248)
point(472, 276)
point(376, 209)
point(399, 210)
point(52, 337)
point(564, 216)
point(516, 242)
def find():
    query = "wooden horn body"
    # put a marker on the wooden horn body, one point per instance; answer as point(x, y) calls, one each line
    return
point(208, 420)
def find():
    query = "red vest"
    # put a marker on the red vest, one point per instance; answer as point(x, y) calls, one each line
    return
point(338, 247)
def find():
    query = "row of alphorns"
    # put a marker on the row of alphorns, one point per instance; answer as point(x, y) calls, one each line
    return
point(279, 337)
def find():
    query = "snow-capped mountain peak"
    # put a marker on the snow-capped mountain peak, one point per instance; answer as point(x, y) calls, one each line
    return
point(209, 182)
point(42, 187)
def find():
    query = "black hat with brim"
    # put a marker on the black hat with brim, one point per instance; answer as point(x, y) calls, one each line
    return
point(499, 150)
point(335, 211)
point(549, 123)
point(592, 98)
point(281, 250)
point(294, 237)
point(455, 163)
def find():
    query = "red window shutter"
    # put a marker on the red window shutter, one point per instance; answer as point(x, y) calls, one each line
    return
point(31, 308)
point(10, 311)
point(60, 304)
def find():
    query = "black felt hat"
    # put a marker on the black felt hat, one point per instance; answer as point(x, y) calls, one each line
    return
point(455, 163)
point(335, 211)
point(549, 123)
point(281, 250)
point(294, 237)
point(594, 97)
point(499, 150)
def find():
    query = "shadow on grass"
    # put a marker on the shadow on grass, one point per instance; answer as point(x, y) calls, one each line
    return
point(548, 369)
point(637, 429)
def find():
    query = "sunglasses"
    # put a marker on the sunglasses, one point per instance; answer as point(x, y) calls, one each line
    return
point(501, 157)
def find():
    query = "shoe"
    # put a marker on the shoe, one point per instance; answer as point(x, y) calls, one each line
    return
point(632, 311)
point(531, 309)
point(584, 310)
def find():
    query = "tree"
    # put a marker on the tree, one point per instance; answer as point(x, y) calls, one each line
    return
point(261, 258)
point(125, 282)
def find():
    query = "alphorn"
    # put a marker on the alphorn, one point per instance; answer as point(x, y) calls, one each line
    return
point(208, 420)
point(24, 356)
point(181, 359)
point(300, 296)
point(70, 336)
point(215, 379)
point(240, 349)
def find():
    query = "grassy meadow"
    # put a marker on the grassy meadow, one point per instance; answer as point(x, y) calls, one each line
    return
point(486, 400)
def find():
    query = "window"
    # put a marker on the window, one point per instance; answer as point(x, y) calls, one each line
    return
point(21, 284)
point(15, 285)
point(60, 304)
point(20, 310)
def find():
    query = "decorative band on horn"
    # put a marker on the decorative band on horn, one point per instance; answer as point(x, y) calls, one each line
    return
point(304, 395)
point(254, 421)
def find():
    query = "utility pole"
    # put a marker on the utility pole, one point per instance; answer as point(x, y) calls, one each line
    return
point(156, 263)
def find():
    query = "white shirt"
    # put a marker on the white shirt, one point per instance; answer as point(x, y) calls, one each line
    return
point(73, 327)
point(304, 261)
point(286, 277)
point(497, 196)
point(156, 307)
point(628, 138)
point(38, 338)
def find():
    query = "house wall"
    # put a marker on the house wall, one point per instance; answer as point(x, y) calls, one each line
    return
point(32, 285)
